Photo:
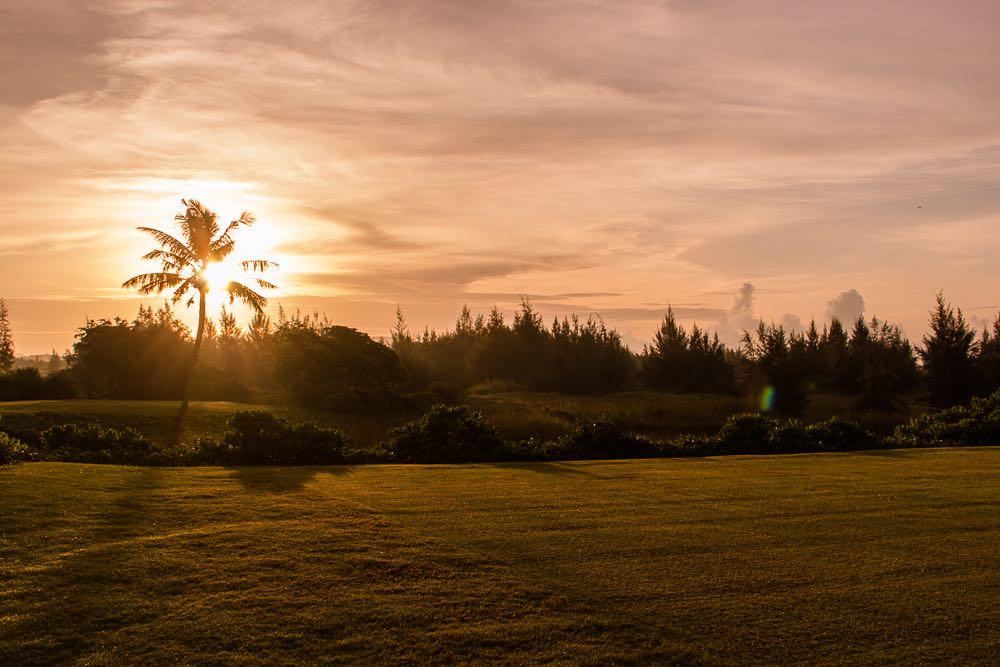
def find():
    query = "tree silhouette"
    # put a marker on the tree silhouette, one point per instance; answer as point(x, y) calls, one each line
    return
point(6, 340)
point(948, 355)
point(184, 262)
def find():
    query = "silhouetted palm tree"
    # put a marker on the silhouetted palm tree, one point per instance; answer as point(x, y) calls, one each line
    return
point(183, 266)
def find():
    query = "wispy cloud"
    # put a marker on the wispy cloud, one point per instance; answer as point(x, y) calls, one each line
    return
point(441, 148)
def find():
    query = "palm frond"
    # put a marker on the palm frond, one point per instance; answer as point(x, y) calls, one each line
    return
point(220, 252)
point(224, 243)
point(184, 288)
point(170, 243)
point(169, 259)
point(199, 224)
point(265, 284)
point(246, 219)
point(251, 298)
point(258, 265)
point(147, 283)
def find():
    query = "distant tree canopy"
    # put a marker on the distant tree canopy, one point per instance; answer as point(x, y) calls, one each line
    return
point(28, 384)
point(572, 356)
point(142, 359)
point(989, 359)
point(6, 340)
point(678, 361)
point(873, 362)
point(313, 363)
point(329, 367)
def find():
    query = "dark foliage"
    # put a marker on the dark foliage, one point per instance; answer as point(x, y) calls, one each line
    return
point(446, 435)
point(838, 435)
point(790, 437)
point(690, 445)
point(782, 362)
point(572, 357)
point(748, 433)
point(13, 450)
point(28, 384)
point(6, 340)
point(333, 367)
point(678, 361)
point(977, 423)
point(757, 434)
point(92, 443)
point(256, 437)
point(600, 439)
point(988, 362)
point(948, 356)
point(143, 359)
point(884, 363)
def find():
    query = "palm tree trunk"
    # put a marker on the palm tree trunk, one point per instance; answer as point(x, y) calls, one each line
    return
point(189, 371)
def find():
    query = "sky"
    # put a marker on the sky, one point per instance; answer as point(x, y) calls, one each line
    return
point(737, 160)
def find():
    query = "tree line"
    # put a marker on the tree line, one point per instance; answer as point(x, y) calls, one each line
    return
point(311, 362)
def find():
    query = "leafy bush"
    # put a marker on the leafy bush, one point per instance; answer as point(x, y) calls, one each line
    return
point(747, 433)
point(92, 443)
point(975, 424)
point(790, 437)
point(12, 450)
point(838, 435)
point(446, 435)
point(256, 437)
point(334, 368)
point(691, 445)
point(601, 439)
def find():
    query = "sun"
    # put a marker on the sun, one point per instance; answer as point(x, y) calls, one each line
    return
point(218, 275)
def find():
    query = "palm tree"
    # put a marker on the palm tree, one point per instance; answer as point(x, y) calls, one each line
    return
point(183, 266)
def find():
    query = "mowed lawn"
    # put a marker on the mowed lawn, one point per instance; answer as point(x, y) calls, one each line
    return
point(888, 556)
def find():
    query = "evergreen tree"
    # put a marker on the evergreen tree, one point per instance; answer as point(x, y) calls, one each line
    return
point(989, 359)
point(678, 361)
point(55, 363)
point(6, 340)
point(779, 360)
point(400, 334)
point(834, 354)
point(948, 356)
point(888, 367)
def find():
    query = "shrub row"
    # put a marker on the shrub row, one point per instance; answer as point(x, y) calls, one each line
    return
point(12, 450)
point(455, 434)
point(977, 423)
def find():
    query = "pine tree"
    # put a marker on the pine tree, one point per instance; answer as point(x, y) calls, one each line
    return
point(55, 363)
point(259, 328)
point(6, 340)
point(989, 358)
point(400, 334)
point(948, 356)
point(464, 325)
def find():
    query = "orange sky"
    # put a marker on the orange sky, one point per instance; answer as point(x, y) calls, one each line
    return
point(607, 157)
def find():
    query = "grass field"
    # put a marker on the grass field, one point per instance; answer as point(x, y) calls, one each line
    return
point(889, 556)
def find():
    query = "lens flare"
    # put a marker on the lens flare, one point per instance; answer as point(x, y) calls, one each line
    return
point(767, 399)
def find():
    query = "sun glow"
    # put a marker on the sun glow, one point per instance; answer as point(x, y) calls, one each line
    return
point(218, 275)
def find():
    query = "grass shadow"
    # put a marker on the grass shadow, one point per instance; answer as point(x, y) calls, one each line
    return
point(547, 468)
point(885, 453)
point(285, 479)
